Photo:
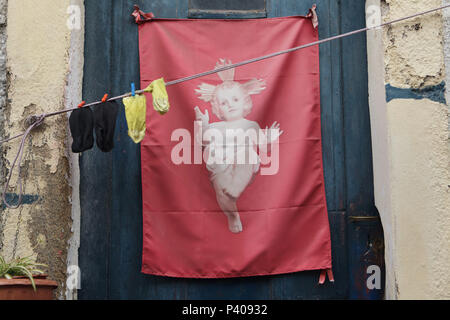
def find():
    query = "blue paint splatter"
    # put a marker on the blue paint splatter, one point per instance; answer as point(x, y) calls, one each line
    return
point(435, 93)
point(13, 198)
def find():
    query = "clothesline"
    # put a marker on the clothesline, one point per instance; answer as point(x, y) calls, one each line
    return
point(242, 63)
point(37, 120)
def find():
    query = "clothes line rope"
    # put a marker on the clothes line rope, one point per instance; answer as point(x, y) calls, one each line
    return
point(242, 63)
point(37, 120)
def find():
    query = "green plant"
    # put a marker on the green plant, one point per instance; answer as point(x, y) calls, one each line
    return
point(20, 267)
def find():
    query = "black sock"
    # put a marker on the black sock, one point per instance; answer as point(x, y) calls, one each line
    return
point(81, 123)
point(105, 115)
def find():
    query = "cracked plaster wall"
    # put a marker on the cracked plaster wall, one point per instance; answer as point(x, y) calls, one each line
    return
point(411, 153)
point(40, 55)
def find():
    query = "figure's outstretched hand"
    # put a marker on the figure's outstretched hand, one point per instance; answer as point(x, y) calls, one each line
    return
point(274, 132)
point(199, 116)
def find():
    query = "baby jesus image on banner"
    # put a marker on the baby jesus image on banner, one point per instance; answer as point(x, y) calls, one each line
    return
point(232, 175)
point(232, 164)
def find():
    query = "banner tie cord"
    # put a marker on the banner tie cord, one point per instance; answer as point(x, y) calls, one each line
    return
point(148, 17)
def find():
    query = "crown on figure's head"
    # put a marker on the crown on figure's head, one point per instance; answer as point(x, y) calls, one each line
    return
point(207, 91)
point(226, 75)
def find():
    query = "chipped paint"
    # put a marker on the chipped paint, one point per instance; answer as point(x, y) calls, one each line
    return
point(13, 198)
point(411, 150)
point(413, 48)
point(434, 93)
point(38, 68)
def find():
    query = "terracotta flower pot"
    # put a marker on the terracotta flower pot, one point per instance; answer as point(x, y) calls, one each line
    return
point(20, 288)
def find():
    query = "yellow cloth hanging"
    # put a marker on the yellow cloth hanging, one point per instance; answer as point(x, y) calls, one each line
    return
point(160, 96)
point(135, 110)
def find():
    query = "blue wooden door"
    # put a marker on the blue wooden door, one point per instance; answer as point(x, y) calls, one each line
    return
point(110, 188)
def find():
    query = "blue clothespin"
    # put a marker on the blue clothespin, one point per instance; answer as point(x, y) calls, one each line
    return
point(133, 89)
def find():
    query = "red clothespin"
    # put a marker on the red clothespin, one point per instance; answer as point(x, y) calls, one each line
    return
point(105, 97)
point(81, 104)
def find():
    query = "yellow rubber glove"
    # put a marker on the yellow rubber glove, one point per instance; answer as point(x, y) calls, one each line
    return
point(160, 96)
point(135, 110)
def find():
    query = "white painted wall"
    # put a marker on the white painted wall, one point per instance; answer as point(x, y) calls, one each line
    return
point(411, 154)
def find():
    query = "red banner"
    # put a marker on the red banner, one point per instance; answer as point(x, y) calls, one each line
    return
point(232, 175)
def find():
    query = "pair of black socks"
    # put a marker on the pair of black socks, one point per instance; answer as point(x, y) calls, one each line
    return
point(84, 121)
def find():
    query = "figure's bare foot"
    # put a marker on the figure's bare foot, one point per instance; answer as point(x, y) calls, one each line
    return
point(234, 223)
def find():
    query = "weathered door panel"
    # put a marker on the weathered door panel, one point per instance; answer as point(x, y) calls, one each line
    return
point(110, 190)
